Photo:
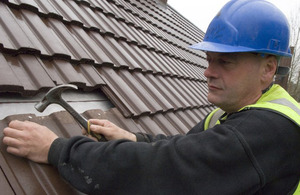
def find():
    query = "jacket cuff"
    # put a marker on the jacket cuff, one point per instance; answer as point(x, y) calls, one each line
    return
point(140, 137)
point(55, 150)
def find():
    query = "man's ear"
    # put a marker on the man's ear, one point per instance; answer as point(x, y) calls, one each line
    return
point(269, 68)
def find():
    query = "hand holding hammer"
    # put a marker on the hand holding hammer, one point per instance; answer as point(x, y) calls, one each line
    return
point(54, 96)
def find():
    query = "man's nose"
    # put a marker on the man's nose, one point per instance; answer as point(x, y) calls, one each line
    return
point(210, 72)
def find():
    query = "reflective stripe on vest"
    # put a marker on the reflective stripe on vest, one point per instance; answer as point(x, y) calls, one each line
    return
point(286, 103)
point(213, 118)
point(276, 100)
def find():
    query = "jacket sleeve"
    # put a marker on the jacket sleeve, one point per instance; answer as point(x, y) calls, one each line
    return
point(144, 137)
point(182, 165)
point(217, 161)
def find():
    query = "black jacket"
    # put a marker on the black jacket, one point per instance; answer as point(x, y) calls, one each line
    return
point(252, 152)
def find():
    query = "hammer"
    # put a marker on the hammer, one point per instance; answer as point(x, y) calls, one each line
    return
point(53, 96)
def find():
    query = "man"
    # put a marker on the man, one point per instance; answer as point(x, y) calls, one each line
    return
point(249, 146)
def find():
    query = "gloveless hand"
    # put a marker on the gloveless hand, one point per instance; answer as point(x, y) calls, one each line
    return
point(110, 130)
point(28, 139)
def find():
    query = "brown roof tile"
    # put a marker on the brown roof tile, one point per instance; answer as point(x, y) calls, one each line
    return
point(133, 50)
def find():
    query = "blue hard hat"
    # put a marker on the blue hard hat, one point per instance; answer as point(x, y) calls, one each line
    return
point(248, 26)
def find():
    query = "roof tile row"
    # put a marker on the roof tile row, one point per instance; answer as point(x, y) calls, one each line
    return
point(113, 25)
point(32, 74)
point(72, 41)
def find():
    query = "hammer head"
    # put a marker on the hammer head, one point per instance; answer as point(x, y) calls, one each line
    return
point(53, 96)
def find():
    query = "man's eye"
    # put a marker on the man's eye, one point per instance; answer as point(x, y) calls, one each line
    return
point(222, 61)
point(219, 61)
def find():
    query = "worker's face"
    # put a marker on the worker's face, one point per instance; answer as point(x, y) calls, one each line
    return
point(234, 79)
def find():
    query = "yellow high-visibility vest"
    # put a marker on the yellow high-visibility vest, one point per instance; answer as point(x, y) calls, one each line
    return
point(276, 99)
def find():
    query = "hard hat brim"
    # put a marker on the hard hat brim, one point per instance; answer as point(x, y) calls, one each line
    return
point(222, 48)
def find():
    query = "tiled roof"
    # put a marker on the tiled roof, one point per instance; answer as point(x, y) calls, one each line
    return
point(134, 51)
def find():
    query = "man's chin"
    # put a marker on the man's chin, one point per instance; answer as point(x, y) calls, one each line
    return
point(216, 100)
point(212, 98)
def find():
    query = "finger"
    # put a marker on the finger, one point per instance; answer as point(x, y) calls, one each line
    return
point(9, 141)
point(17, 151)
point(100, 122)
point(10, 132)
point(83, 131)
point(13, 150)
point(21, 125)
point(29, 124)
point(99, 129)
point(16, 124)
